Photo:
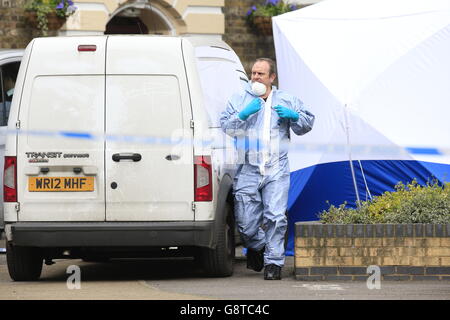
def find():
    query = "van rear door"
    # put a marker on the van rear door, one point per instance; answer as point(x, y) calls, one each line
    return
point(60, 162)
point(149, 170)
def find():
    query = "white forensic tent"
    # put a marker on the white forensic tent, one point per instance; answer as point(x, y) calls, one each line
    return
point(376, 74)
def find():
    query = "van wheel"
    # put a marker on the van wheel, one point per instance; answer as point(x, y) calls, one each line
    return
point(219, 262)
point(24, 263)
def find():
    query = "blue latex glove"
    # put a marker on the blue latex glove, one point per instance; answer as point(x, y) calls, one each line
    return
point(286, 113)
point(250, 109)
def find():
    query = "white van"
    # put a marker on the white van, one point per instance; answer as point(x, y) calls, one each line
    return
point(108, 158)
point(9, 67)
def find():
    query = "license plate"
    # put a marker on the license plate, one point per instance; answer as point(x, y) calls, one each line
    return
point(37, 184)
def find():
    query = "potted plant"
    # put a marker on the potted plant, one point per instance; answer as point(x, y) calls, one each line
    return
point(48, 14)
point(260, 16)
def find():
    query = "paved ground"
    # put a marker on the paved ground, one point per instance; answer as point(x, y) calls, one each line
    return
point(173, 279)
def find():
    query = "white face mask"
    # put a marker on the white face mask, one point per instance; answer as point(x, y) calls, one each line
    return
point(258, 88)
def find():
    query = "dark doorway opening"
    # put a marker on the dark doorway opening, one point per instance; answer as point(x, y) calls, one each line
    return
point(126, 25)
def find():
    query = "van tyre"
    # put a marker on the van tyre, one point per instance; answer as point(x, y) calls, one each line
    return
point(218, 262)
point(24, 263)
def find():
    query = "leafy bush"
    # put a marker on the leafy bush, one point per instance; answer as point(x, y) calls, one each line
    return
point(412, 203)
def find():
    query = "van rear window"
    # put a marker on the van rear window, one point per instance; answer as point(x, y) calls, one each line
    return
point(70, 104)
point(143, 106)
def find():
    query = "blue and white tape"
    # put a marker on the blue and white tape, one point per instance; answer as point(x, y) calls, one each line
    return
point(293, 146)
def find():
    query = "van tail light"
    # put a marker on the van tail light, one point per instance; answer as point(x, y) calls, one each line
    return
point(202, 178)
point(10, 180)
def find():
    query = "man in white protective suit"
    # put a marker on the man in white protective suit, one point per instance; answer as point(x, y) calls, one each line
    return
point(262, 116)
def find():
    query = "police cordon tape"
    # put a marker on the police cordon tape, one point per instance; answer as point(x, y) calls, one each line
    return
point(177, 140)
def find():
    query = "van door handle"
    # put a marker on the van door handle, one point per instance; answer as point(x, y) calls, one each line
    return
point(126, 156)
point(172, 157)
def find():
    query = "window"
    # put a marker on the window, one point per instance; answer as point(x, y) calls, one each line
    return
point(71, 104)
point(8, 76)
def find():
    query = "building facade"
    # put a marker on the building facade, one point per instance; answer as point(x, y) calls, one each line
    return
point(221, 19)
point(166, 17)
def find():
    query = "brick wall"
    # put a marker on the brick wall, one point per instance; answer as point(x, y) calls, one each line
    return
point(14, 32)
point(403, 251)
point(245, 41)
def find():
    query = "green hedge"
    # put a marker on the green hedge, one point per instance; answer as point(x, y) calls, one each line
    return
point(411, 203)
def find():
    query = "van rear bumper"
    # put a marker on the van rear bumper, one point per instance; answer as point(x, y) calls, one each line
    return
point(113, 234)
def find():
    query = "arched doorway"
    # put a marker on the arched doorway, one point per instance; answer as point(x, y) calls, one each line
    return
point(139, 18)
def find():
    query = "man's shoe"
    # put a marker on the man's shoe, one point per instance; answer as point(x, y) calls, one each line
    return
point(255, 259)
point(272, 272)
